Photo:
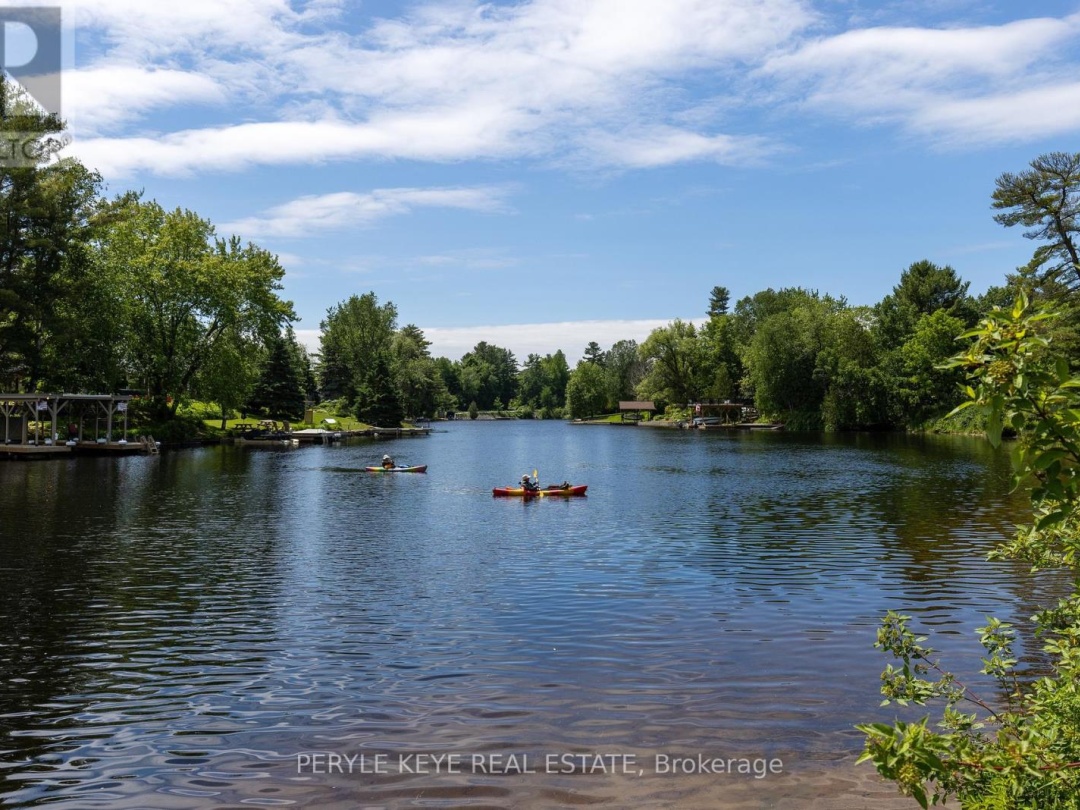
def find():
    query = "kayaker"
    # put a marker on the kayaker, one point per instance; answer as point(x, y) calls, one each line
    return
point(387, 462)
point(528, 484)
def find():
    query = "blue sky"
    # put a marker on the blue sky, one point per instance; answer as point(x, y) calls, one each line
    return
point(541, 174)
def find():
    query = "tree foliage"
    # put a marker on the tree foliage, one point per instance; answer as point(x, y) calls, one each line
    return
point(279, 389)
point(184, 290)
point(50, 294)
point(719, 299)
point(354, 333)
point(419, 383)
point(624, 369)
point(1021, 750)
point(586, 393)
point(229, 374)
point(1045, 199)
point(488, 373)
point(673, 353)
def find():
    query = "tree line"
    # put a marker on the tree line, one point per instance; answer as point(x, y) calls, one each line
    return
point(816, 361)
point(115, 294)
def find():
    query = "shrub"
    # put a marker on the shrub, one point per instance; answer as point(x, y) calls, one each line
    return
point(1021, 751)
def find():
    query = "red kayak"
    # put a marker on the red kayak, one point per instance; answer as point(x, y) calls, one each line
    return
point(422, 468)
point(565, 491)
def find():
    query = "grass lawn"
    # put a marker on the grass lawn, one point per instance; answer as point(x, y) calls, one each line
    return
point(211, 418)
point(605, 417)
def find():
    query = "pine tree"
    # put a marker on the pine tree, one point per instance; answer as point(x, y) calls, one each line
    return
point(377, 400)
point(280, 389)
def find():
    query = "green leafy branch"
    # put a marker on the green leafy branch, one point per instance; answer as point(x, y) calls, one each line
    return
point(1023, 753)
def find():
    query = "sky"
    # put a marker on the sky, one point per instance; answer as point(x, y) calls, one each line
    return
point(545, 173)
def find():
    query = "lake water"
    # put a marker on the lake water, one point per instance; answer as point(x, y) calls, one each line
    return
point(221, 627)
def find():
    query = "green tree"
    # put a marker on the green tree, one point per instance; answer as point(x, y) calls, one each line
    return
point(488, 373)
point(781, 357)
point(377, 399)
point(995, 296)
point(585, 390)
point(624, 369)
point(185, 290)
point(420, 385)
point(1020, 751)
point(229, 374)
point(279, 389)
point(924, 288)
point(531, 382)
point(48, 217)
point(356, 334)
point(1046, 200)
point(673, 354)
point(556, 373)
point(308, 381)
point(594, 354)
point(856, 389)
point(721, 367)
point(718, 302)
point(450, 374)
point(752, 310)
point(925, 387)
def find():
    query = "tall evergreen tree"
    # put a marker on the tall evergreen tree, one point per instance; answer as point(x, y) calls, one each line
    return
point(279, 389)
point(718, 301)
point(594, 354)
point(377, 399)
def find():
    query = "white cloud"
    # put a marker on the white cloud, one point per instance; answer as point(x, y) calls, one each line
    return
point(454, 80)
point(309, 338)
point(609, 83)
point(470, 259)
point(315, 214)
point(105, 96)
point(984, 84)
point(139, 30)
point(457, 135)
point(1008, 117)
point(663, 146)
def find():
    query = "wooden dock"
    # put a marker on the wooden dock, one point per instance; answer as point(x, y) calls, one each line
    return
point(132, 448)
point(399, 432)
point(33, 451)
point(61, 449)
point(319, 436)
point(742, 426)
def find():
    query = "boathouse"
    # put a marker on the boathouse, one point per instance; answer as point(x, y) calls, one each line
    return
point(58, 424)
point(632, 410)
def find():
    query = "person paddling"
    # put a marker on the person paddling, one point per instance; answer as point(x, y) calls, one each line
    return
point(387, 462)
point(528, 484)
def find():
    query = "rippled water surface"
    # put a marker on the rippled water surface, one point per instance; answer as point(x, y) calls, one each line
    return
point(209, 628)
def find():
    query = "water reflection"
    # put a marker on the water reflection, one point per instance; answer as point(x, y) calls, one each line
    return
point(176, 629)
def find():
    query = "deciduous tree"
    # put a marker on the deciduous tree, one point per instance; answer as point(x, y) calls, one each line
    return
point(184, 291)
